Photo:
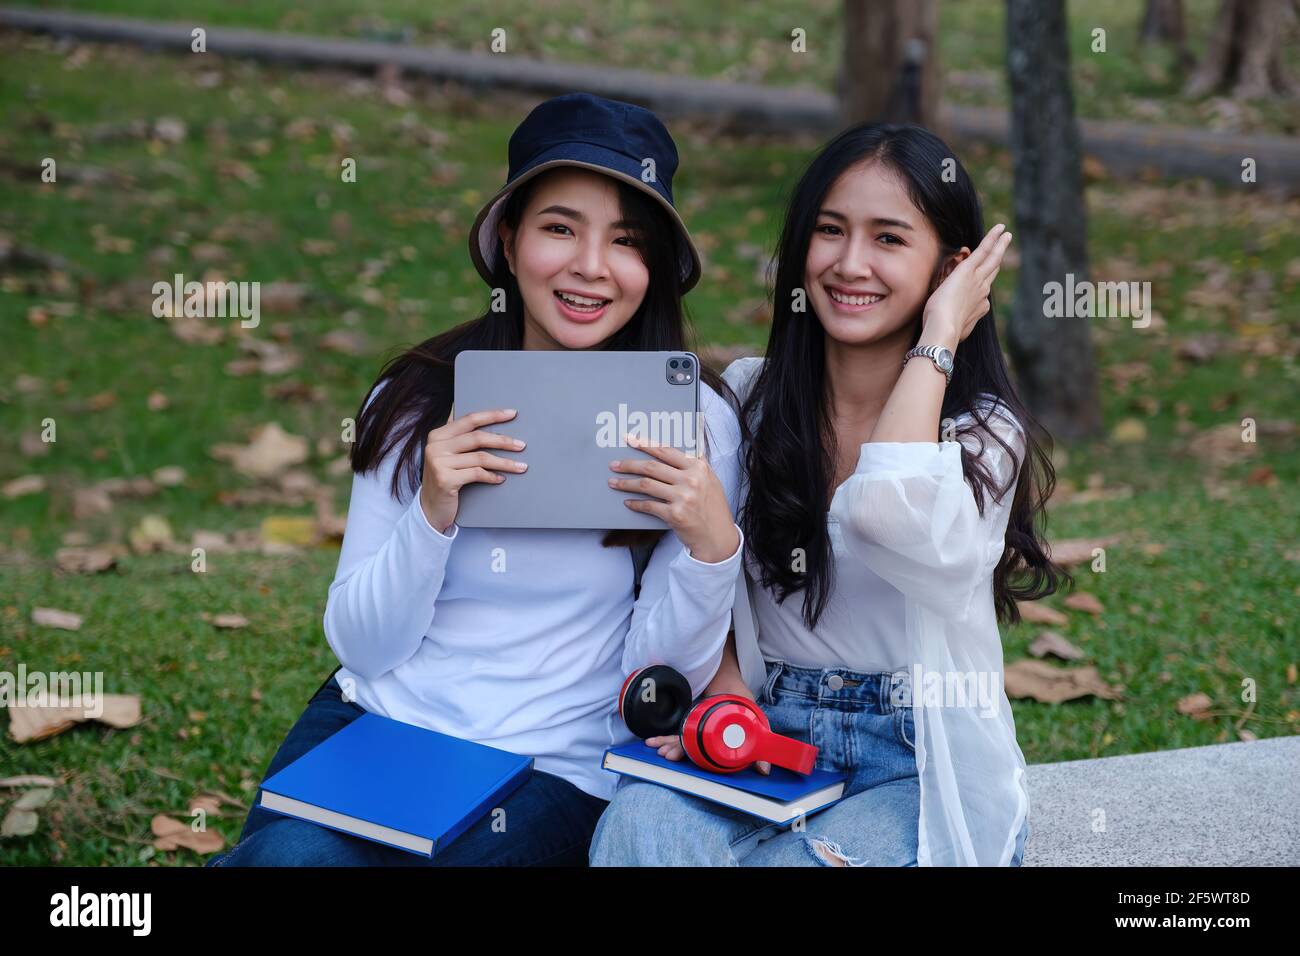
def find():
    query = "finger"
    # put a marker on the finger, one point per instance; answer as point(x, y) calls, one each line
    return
point(665, 453)
point(649, 467)
point(988, 269)
point(648, 506)
point(986, 245)
point(672, 750)
point(469, 476)
point(479, 438)
point(763, 767)
point(482, 459)
point(472, 420)
point(643, 486)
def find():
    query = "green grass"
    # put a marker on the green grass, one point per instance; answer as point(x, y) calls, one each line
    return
point(1217, 605)
point(750, 41)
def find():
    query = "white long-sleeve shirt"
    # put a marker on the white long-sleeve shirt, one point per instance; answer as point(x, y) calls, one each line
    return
point(914, 562)
point(521, 638)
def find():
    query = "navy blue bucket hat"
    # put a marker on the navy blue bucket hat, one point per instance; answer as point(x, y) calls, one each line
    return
point(620, 140)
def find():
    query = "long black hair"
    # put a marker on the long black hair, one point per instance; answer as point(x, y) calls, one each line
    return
point(419, 383)
point(793, 451)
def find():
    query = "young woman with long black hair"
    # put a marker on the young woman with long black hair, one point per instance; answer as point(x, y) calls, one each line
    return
point(895, 489)
point(428, 626)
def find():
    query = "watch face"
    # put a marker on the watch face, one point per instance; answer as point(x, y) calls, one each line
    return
point(944, 360)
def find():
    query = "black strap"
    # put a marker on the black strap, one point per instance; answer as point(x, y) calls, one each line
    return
point(325, 681)
point(640, 558)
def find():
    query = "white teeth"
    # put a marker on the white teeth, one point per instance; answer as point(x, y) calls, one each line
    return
point(854, 299)
point(581, 301)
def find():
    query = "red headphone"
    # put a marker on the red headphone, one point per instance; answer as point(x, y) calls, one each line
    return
point(723, 733)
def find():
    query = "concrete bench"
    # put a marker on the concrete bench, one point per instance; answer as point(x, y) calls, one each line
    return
point(1224, 805)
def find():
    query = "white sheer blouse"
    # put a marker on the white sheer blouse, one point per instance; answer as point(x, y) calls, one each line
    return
point(908, 518)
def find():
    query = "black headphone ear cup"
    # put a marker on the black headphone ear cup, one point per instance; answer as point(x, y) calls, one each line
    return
point(655, 701)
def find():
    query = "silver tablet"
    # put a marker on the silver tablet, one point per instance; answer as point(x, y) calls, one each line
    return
point(574, 409)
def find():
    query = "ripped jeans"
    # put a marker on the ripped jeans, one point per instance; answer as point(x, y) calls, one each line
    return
point(861, 723)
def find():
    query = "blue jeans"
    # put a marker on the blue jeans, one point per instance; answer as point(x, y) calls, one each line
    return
point(861, 724)
point(548, 820)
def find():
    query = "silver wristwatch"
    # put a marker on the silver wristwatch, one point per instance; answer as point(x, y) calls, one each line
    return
point(940, 356)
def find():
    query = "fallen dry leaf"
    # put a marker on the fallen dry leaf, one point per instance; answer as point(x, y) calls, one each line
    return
point(294, 530)
point(267, 358)
point(1200, 348)
point(345, 342)
point(194, 331)
point(85, 560)
point(277, 297)
point(34, 799)
point(88, 502)
point(30, 780)
point(270, 451)
point(1049, 642)
point(227, 622)
point(153, 533)
point(1048, 684)
point(37, 723)
point(1083, 601)
point(19, 823)
point(329, 526)
point(31, 445)
point(1071, 551)
point(209, 804)
point(1221, 445)
point(138, 487)
point(52, 617)
point(211, 541)
point(26, 485)
point(172, 834)
point(169, 476)
point(1129, 431)
point(1035, 613)
point(1196, 705)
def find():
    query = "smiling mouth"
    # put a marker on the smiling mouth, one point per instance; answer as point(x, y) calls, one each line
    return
point(582, 303)
point(853, 301)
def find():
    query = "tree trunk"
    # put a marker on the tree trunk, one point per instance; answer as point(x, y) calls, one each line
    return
point(890, 65)
point(1244, 54)
point(1052, 356)
point(1163, 22)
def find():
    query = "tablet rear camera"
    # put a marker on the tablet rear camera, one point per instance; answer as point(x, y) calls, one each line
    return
point(679, 371)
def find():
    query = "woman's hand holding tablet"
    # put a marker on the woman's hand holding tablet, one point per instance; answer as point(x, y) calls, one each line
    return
point(684, 492)
point(451, 461)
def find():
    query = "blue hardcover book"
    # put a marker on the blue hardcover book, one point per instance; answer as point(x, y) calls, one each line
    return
point(395, 783)
point(781, 797)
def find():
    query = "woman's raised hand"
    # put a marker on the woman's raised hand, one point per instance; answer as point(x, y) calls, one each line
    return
point(452, 461)
point(685, 493)
point(962, 298)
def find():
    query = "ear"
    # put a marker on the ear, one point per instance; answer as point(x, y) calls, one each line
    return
point(951, 262)
point(508, 244)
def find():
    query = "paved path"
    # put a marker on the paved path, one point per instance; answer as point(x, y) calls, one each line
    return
point(1232, 804)
point(1123, 148)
